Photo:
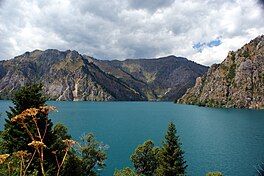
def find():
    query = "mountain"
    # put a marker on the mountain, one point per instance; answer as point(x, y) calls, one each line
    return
point(165, 78)
point(69, 75)
point(66, 76)
point(237, 82)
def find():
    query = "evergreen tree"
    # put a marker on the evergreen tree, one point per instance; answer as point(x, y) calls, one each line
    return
point(144, 158)
point(171, 159)
point(14, 137)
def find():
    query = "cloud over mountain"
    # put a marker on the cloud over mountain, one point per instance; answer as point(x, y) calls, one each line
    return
point(129, 28)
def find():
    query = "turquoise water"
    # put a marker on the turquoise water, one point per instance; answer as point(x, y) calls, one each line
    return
point(226, 140)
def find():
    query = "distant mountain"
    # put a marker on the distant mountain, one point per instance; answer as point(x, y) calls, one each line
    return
point(165, 78)
point(69, 75)
point(237, 82)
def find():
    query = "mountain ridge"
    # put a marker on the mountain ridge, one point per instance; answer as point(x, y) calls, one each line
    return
point(68, 75)
point(155, 74)
point(236, 82)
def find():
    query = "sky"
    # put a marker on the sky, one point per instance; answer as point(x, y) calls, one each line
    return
point(200, 30)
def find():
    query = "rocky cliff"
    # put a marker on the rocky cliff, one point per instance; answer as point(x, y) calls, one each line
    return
point(237, 82)
point(65, 75)
point(69, 75)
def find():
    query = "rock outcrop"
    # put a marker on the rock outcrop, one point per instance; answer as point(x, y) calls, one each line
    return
point(237, 82)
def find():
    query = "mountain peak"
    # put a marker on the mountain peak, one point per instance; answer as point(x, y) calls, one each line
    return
point(67, 75)
point(237, 82)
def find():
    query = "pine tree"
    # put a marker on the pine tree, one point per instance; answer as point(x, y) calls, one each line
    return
point(144, 158)
point(171, 158)
point(14, 138)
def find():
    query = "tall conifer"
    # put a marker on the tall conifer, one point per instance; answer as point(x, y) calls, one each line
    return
point(171, 156)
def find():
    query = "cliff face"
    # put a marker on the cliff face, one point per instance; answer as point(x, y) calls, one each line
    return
point(237, 82)
point(71, 76)
point(165, 78)
point(65, 75)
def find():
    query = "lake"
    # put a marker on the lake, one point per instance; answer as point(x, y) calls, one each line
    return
point(226, 140)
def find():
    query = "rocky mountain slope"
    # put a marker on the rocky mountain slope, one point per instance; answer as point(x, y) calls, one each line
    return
point(65, 75)
point(237, 82)
point(71, 76)
point(165, 78)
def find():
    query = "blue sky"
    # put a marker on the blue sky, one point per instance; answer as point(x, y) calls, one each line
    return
point(201, 30)
point(213, 43)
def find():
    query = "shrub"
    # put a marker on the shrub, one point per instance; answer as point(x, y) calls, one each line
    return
point(126, 172)
point(214, 174)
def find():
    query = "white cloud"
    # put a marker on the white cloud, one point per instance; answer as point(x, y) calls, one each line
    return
point(122, 29)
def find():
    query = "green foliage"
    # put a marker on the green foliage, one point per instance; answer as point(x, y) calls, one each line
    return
point(60, 133)
point(126, 172)
point(261, 75)
point(231, 72)
point(72, 166)
point(260, 169)
point(10, 166)
point(211, 103)
point(28, 96)
point(15, 164)
point(14, 138)
point(90, 160)
point(93, 155)
point(214, 174)
point(144, 158)
point(167, 160)
point(246, 54)
point(201, 103)
point(233, 56)
point(171, 156)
